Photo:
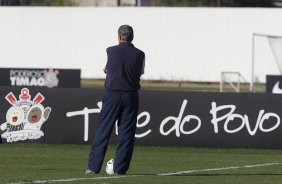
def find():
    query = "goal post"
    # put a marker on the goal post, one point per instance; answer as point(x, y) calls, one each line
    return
point(233, 79)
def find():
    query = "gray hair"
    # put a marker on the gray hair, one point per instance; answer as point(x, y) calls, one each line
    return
point(126, 33)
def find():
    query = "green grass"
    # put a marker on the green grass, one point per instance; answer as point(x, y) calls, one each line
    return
point(178, 86)
point(28, 163)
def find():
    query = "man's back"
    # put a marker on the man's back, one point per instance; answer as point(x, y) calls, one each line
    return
point(120, 103)
point(124, 67)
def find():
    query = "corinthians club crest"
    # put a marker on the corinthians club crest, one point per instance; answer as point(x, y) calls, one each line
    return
point(25, 118)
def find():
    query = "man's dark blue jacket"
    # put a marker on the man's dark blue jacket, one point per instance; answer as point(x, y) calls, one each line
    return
point(124, 67)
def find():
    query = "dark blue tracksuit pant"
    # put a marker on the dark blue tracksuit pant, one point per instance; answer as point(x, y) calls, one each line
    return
point(121, 106)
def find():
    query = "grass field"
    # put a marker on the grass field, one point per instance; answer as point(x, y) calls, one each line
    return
point(178, 86)
point(39, 163)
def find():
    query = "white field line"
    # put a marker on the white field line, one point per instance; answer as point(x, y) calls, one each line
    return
point(217, 169)
point(72, 179)
point(161, 174)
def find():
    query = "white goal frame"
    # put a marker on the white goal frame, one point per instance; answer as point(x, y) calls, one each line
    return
point(232, 78)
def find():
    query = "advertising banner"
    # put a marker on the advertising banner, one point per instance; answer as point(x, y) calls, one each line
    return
point(39, 77)
point(166, 118)
point(274, 84)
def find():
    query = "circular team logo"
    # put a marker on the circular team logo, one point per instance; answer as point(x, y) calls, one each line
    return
point(25, 118)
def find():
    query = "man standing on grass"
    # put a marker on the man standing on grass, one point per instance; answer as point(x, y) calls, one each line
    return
point(123, 70)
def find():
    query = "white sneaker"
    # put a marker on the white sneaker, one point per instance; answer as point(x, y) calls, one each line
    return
point(88, 171)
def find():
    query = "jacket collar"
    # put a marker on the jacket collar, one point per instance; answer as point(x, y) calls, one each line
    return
point(126, 43)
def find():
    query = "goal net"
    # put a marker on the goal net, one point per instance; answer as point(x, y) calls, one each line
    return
point(266, 58)
point(232, 81)
point(276, 48)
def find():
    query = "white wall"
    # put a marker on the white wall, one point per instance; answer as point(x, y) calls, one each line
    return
point(180, 43)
